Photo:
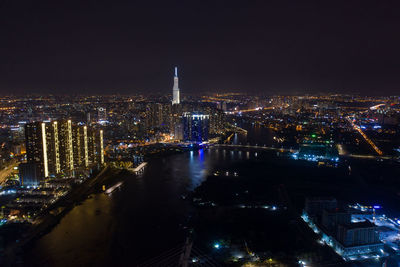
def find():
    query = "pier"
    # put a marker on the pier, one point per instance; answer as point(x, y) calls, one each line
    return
point(139, 169)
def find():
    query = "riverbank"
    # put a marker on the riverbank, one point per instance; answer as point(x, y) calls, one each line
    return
point(125, 226)
point(50, 217)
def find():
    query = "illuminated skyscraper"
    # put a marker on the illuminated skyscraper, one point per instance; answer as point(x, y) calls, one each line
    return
point(55, 148)
point(195, 127)
point(66, 147)
point(42, 145)
point(102, 114)
point(80, 145)
point(101, 148)
point(95, 145)
point(85, 146)
point(36, 147)
point(175, 89)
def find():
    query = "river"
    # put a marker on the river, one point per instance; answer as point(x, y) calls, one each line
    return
point(142, 218)
point(147, 215)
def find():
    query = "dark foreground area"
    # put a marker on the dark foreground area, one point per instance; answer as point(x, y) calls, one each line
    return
point(236, 206)
point(253, 208)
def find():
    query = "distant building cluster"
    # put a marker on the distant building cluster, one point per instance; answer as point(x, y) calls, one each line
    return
point(59, 148)
point(188, 122)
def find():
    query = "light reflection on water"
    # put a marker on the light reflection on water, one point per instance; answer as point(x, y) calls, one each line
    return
point(198, 170)
point(138, 222)
point(110, 229)
point(127, 226)
point(86, 229)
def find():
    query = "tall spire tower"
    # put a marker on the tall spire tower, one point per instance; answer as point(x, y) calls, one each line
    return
point(175, 89)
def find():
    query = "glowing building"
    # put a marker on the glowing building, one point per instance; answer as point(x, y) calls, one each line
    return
point(61, 148)
point(195, 127)
point(66, 145)
point(175, 89)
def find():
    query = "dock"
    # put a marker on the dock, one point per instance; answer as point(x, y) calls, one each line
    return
point(139, 169)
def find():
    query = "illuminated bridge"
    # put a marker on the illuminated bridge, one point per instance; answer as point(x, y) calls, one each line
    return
point(256, 147)
point(359, 156)
point(376, 106)
point(248, 110)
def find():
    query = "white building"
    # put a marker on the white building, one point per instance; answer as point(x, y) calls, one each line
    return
point(175, 89)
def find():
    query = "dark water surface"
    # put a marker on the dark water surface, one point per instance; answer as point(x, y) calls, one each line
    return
point(145, 217)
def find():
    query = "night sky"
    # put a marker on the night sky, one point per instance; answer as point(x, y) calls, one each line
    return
point(251, 46)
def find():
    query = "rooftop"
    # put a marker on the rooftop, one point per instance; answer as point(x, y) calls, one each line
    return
point(364, 224)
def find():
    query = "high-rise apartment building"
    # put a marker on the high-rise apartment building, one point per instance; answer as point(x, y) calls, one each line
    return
point(66, 146)
point(81, 147)
point(59, 147)
point(36, 147)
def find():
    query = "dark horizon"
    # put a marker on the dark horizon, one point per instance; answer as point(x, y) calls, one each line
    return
point(253, 47)
point(168, 95)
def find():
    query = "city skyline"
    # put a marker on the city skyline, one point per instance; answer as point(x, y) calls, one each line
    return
point(238, 154)
point(199, 133)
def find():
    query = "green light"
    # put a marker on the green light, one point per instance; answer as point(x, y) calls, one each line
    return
point(313, 135)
